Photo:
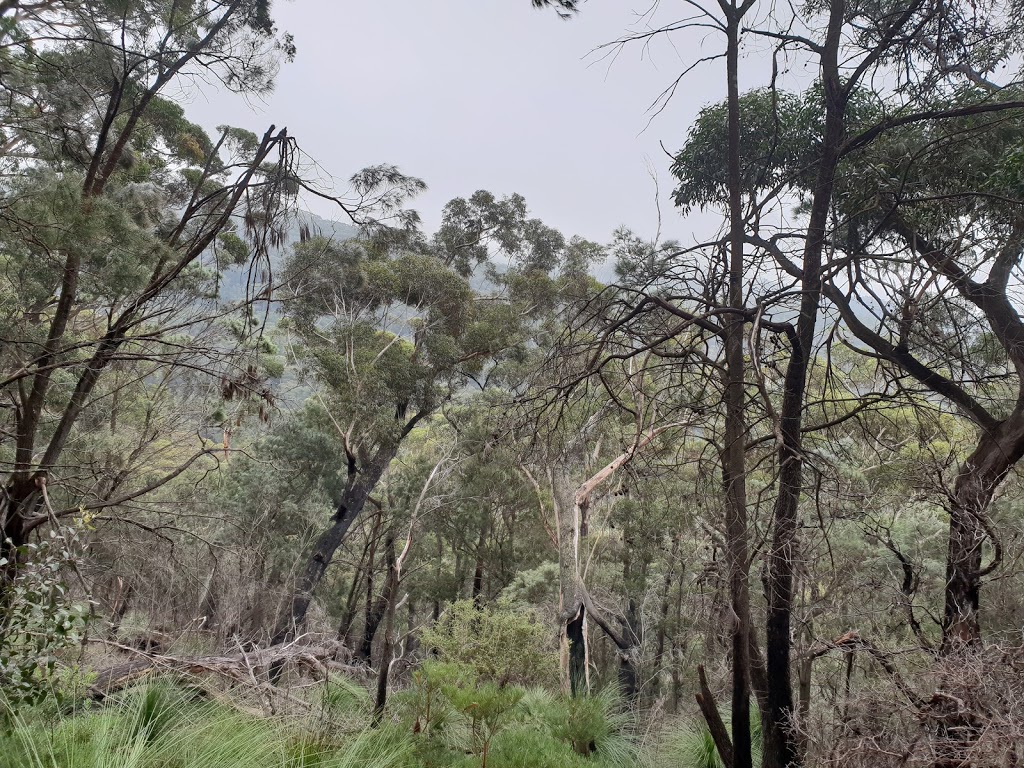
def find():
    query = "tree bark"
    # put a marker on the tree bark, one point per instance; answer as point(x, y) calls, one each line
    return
point(381, 606)
point(977, 480)
point(734, 470)
point(659, 646)
point(351, 602)
point(361, 483)
point(388, 650)
point(781, 742)
point(709, 710)
point(477, 586)
point(572, 615)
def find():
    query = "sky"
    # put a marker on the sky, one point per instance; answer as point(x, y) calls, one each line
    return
point(490, 94)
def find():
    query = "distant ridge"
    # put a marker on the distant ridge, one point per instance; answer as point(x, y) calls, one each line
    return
point(235, 279)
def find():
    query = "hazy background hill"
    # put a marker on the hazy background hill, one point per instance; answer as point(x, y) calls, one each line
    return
point(235, 279)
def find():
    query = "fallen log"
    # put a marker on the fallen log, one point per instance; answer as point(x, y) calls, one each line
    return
point(245, 667)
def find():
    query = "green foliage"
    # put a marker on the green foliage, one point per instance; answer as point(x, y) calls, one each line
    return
point(534, 586)
point(451, 710)
point(779, 144)
point(164, 726)
point(595, 725)
point(499, 644)
point(39, 618)
point(487, 707)
point(690, 745)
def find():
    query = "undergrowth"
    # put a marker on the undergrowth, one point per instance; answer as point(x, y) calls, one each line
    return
point(447, 718)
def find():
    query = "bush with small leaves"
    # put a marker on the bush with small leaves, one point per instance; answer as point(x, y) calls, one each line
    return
point(499, 644)
point(39, 617)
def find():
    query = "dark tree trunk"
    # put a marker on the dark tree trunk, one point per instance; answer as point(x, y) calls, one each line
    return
point(368, 573)
point(733, 452)
point(713, 718)
point(349, 614)
point(632, 630)
point(19, 505)
point(477, 587)
point(781, 743)
point(388, 649)
point(360, 486)
point(981, 474)
point(14, 534)
point(575, 630)
point(381, 606)
point(629, 638)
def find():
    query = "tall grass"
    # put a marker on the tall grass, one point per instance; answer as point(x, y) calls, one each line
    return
point(689, 744)
point(163, 726)
point(169, 725)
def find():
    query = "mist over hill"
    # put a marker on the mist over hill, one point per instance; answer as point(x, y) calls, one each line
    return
point(235, 280)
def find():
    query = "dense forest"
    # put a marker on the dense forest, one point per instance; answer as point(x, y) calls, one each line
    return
point(284, 489)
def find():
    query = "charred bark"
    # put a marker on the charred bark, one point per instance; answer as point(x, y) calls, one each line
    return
point(361, 483)
point(576, 634)
point(781, 742)
point(381, 606)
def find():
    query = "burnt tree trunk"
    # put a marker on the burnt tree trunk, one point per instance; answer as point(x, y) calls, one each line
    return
point(575, 631)
point(381, 606)
point(362, 481)
point(734, 470)
point(21, 501)
point(781, 742)
point(477, 586)
point(388, 649)
point(572, 615)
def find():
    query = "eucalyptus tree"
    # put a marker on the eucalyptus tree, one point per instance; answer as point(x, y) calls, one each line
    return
point(115, 208)
point(921, 48)
point(938, 253)
point(118, 216)
point(390, 328)
point(924, 257)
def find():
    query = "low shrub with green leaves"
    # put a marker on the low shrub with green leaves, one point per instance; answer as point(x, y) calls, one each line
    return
point(498, 643)
point(459, 719)
point(39, 617)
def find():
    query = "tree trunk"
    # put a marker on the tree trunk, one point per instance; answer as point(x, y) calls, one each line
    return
point(980, 475)
point(380, 608)
point(368, 572)
point(360, 486)
point(477, 586)
point(734, 451)
point(388, 649)
point(349, 614)
point(659, 645)
point(412, 639)
point(713, 718)
point(122, 602)
point(781, 744)
point(18, 505)
point(574, 633)
point(632, 631)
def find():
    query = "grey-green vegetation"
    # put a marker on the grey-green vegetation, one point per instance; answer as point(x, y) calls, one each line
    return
point(279, 490)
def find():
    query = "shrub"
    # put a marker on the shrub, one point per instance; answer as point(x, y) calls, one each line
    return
point(499, 644)
point(38, 618)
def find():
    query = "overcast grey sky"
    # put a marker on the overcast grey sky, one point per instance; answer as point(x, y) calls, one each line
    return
point(488, 94)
